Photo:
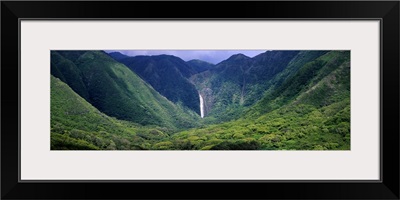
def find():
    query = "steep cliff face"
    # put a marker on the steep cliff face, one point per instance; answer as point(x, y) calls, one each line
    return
point(208, 99)
point(239, 82)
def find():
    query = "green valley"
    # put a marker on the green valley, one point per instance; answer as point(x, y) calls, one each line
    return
point(276, 100)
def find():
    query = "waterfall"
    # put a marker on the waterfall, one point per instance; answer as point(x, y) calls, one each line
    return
point(201, 106)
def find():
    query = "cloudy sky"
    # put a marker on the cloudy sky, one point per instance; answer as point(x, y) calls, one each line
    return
point(214, 56)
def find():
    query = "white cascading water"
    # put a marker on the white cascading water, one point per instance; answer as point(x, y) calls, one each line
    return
point(201, 106)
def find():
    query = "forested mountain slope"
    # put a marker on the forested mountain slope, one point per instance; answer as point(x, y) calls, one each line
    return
point(309, 110)
point(168, 75)
point(116, 91)
point(238, 82)
point(77, 125)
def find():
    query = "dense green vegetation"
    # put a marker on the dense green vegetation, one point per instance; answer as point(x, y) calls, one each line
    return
point(116, 91)
point(320, 82)
point(239, 82)
point(291, 100)
point(168, 75)
point(309, 110)
point(75, 124)
point(294, 127)
point(199, 65)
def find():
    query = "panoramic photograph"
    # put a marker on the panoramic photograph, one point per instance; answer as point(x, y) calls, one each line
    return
point(200, 100)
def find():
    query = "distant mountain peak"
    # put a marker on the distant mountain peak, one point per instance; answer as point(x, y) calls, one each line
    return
point(163, 56)
point(200, 65)
point(238, 56)
point(198, 61)
point(117, 55)
point(160, 57)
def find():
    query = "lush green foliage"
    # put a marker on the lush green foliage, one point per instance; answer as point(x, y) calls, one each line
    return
point(309, 110)
point(75, 124)
point(318, 82)
point(115, 90)
point(305, 106)
point(293, 127)
point(168, 75)
point(239, 82)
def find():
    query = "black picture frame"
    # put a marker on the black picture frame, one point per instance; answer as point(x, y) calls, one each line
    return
point(386, 11)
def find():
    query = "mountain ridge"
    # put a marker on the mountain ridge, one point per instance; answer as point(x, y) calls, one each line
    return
point(200, 65)
point(239, 81)
point(169, 76)
point(117, 91)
